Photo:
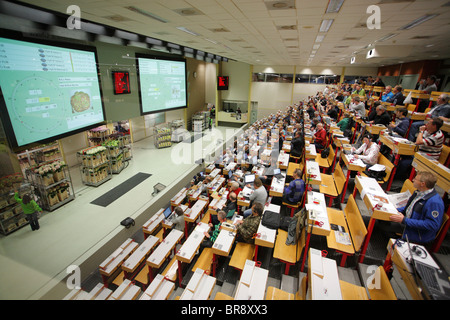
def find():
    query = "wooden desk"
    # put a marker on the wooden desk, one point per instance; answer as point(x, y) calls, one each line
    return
point(277, 186)
point(159, 289)
point(399, 146)
point(178, 198)
point(283, 160)
point(111, 264)
point(126, 291)
point(310, 151)
point(222, 246)
point(190, 247)
point(323, 277)
point(159, 255)
point(352, 164)
point(375, 129)
point(252, 284)
point(313, 173)
point(191, 215)
point(200, 286)
point(153, 223)
point(132, 263)
point(373, 194)
point(423, 163)
point(317, 218)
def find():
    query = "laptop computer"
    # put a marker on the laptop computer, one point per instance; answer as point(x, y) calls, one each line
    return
point(249, 179)
point(433, 282)
point(167, 212)
point(277, 174)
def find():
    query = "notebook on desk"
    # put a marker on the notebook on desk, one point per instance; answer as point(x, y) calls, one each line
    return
point(433, 281)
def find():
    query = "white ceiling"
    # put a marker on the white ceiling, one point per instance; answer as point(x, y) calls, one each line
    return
point(267, 32)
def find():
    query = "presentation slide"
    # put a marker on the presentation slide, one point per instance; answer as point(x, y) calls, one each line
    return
point(162, 84)
point(49, 91)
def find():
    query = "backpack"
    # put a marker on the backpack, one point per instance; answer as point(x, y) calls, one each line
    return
point(271, 219)
point(325, 152)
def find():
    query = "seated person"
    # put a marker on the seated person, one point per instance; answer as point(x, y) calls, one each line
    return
point(178, 219)
point(234, 188)
point(357, 106)
point(387, 94)
point(297, 144)
point(401, 122)
point(320, 137)
point(397, 98)
point(381, 116)
point(247, 228)
point(293, 193)
point(343, 124)
point(441, 110)
point(259, 195)
point(211, 236)
point(229, 208)
point(429, 85)
point(204, 185)
point(430, 141)
point(368, 152)
point(431, 138)
point(422, 216)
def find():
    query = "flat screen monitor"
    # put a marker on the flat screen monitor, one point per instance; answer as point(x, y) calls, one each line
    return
point(222, 82)
point(121, 82)
point(49, 90)
point(162, 83)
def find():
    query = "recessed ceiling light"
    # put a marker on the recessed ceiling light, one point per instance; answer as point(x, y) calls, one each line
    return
point(334, 6)
point(418, 21)
point(326, 25)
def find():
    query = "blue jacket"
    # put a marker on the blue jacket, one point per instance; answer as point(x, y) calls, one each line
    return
point(294, 191)
point(426, 218)
point(402, 126)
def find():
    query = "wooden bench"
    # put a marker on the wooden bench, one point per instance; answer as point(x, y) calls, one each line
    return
point(352, 291)
point(389, 167)
point(332, 185)
point(204, 261)
point(327, 162)
point(273, 293)
point(383, 289)
point(288, 254)
point(242, 252)
point(222, 296)
point(351, 220)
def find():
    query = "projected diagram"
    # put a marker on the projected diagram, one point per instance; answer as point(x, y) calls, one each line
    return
point(37, 104)
point(48, 90)
point(162, 83)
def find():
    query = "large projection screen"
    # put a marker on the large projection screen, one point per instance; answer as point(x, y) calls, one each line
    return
point(162, 83)
point(49, 91)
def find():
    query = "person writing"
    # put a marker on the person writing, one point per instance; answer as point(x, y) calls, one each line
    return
point(246, 228)
point(30, 208)
point(368, 152)
point(422, 216)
